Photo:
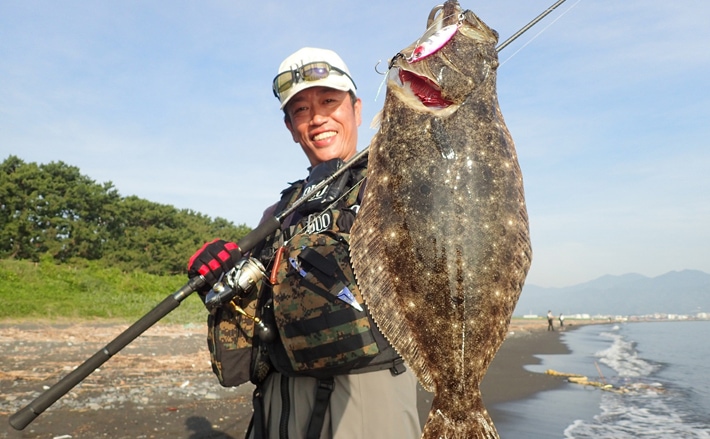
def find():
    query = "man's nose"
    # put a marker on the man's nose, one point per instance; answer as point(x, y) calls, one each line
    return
point(318, 117)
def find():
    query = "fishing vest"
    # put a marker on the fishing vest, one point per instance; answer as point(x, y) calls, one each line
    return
point(324, 326)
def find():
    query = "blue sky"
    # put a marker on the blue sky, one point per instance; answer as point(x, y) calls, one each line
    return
point(608, 103)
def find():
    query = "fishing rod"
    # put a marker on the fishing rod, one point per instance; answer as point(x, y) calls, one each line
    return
point(26, 415)
point(525, 28)
point(31, 411)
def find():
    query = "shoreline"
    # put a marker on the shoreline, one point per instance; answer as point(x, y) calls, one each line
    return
point(170, 363)
point(507, 379)
point(534, 404)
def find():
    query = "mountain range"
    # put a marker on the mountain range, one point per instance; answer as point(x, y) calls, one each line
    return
point(677, 292)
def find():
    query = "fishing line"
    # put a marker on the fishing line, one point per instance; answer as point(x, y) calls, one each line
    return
point(364, 153)
point(501, 46)
point(536, 35)
point(384, 80)
point(434, 24)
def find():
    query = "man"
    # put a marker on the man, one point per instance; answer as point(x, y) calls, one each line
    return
point(374, 395)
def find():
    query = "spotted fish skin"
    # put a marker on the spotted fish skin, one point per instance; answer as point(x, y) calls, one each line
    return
point(441, 245)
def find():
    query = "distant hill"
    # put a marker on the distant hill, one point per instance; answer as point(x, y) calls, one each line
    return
point(676, 292)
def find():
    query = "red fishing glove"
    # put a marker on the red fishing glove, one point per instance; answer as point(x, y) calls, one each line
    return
point(212, 260)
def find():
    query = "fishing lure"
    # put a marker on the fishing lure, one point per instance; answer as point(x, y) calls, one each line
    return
point(433, 43)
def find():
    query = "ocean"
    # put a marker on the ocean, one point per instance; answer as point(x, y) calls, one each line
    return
point(663, 369)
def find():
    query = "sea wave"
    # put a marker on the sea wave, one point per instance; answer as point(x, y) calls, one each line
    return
point(624, 359)
point(649, 406)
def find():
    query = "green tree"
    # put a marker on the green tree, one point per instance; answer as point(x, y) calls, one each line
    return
point(54, 210)
point(14, 217)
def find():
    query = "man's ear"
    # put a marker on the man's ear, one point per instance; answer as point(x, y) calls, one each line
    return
point(357, 107)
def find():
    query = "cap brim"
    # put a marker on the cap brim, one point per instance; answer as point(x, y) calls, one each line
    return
point(334, 81)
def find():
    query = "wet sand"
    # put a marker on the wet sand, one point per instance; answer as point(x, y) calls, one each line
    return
point(161, 385)
point(506, 378)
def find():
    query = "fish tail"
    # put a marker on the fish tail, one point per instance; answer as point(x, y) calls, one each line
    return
point(473, 425)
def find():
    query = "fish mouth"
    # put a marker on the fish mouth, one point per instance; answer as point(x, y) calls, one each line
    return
point(423, 88)
point(415, 86)
point(429, 76)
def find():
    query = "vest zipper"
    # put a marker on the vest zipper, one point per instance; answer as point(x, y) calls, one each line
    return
point(285, 408)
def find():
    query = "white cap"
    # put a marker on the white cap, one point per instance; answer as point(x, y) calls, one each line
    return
point(308, 55)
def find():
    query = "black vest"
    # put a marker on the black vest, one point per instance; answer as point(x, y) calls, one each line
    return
point(324, 327)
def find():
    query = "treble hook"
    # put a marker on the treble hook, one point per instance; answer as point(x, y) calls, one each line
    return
point(391, 63)
point(432, 15)
point(377, 65)
point(395, 58)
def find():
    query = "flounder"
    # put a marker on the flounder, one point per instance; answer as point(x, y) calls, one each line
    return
point(441, 245)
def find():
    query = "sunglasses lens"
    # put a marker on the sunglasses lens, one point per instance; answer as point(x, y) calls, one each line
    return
point(310, 72)
point(283, 82)
point(315, 71)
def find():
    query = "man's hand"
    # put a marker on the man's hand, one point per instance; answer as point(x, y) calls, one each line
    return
point(212, 260)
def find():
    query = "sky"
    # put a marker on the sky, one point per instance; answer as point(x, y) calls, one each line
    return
point(608, 103)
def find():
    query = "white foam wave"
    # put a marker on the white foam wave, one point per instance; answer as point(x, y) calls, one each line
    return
point(623, 417)
point(624, 359)
point(650, 408)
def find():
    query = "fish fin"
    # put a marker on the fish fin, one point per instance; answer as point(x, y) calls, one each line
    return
point(376, 121)
point(387, 297)
point(474, 422)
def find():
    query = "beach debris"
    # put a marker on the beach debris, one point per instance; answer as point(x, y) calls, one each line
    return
point(122, 385)
point(583, 380)
point(563, 374)
point(622, 388)
point(600, 371)
point(441, 245)
point(587, 382)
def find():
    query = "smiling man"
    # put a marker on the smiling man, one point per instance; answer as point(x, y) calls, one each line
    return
point(322, 370)
point(320, 106)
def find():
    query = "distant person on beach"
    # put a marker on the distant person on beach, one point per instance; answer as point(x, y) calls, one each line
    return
point(550, 318)
point(562, 321)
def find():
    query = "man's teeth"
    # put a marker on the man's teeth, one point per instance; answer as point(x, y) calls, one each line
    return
point(325, 135)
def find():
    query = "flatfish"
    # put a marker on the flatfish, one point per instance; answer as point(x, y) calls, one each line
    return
point(441, 245)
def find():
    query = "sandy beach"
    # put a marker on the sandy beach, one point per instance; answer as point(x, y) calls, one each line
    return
point(161, 386)
point(506, 378)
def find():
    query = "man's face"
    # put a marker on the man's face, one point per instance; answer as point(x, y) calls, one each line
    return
point(325, 122)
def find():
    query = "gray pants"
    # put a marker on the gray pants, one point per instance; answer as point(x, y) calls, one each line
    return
point(374, 405)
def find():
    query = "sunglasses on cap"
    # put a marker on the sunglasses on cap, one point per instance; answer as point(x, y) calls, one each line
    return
point(313, 71)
